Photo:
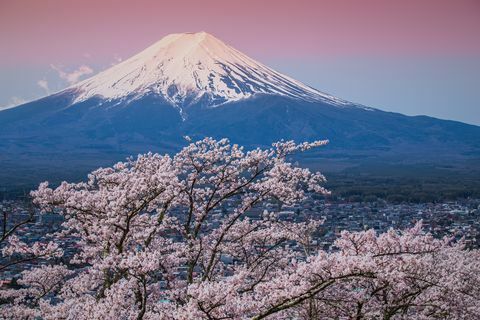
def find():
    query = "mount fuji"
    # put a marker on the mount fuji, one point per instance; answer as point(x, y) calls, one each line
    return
point(194, 84)
point(189, 68)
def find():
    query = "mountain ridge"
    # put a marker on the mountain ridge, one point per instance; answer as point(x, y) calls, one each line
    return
point(69, 133)
point(185, 67)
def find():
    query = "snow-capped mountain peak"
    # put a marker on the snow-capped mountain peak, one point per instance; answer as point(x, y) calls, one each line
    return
point(185, 67)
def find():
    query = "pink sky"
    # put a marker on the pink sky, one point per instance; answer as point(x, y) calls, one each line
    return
point(48, 31)
point(409, 56)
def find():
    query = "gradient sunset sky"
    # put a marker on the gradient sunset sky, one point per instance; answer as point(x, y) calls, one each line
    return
point(409, 56)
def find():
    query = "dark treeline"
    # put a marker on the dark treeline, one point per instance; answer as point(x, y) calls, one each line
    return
point(368, 188)
point(358, 187)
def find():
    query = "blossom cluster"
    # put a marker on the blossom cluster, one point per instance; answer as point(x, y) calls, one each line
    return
point(163, 237)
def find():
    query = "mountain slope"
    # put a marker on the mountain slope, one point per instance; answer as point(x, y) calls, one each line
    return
point(193, 84)
point(187, 67)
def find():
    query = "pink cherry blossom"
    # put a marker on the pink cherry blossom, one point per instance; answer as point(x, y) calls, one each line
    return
point(163, 237)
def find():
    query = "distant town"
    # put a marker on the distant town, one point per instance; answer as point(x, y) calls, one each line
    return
point(459, 219)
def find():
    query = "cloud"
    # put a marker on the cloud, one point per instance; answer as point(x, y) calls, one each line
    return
point(17, 100)
point(74, 76)
point(116, 59)
point(44, 85)
point(14, 101)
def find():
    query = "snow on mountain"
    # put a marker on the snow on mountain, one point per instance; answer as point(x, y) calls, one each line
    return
point(186, 67)
point(173, 89)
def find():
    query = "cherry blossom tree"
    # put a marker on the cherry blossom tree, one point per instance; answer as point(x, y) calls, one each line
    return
point(184, 237)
